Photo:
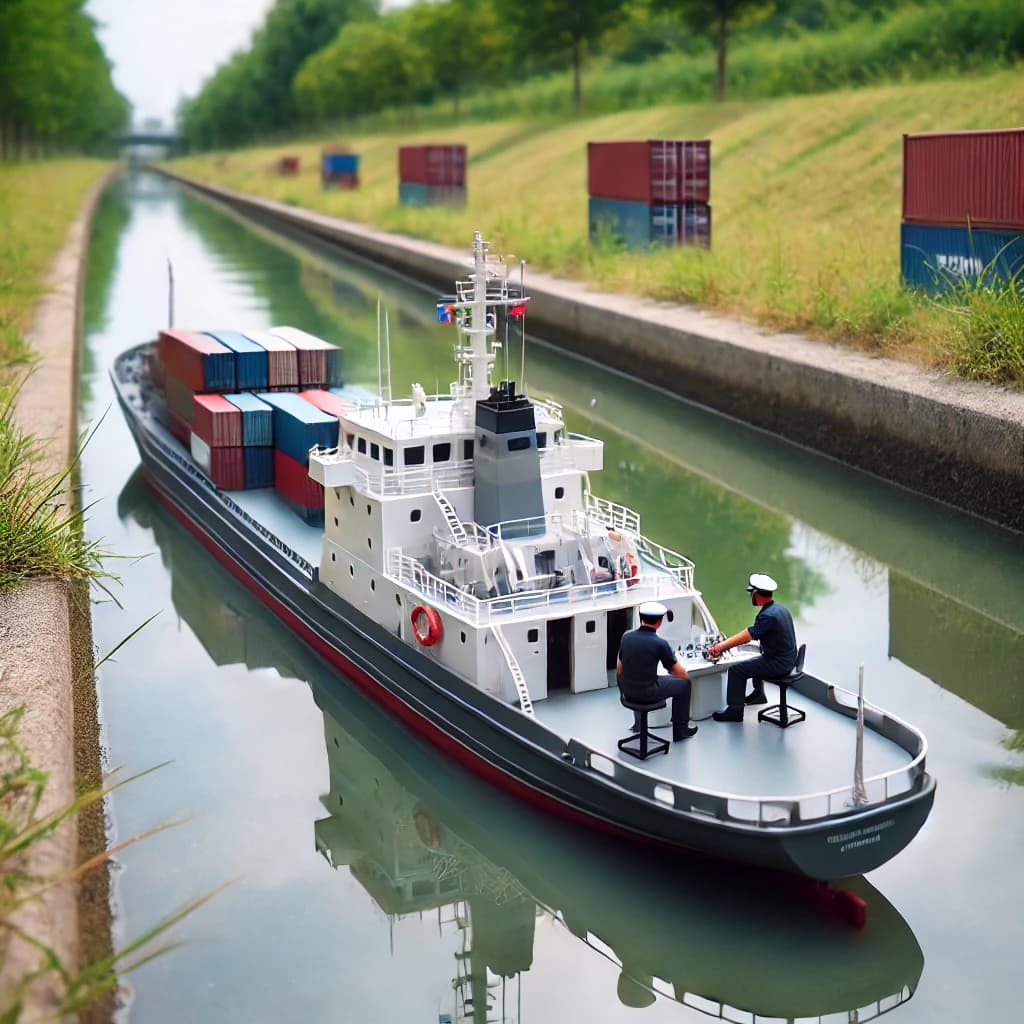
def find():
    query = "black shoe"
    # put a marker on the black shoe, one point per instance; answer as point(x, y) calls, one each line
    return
point(730, 714)
point(683, 734)
point(755, 697)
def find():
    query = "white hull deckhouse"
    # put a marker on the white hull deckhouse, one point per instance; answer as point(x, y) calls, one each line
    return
point(468, 579)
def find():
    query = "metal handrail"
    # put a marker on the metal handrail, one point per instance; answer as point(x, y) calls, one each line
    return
point(612, 514)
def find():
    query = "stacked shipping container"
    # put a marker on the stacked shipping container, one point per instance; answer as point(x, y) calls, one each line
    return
point(243, 440)
point(963, 208)
point(655, 191)
point(431, 175)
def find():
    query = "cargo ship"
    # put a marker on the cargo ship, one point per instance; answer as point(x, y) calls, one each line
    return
point(446, 555)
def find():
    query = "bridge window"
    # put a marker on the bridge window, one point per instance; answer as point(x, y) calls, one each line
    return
point(542, 439)
point(518, 444)
point(350, 439)
point(361, 445)
point(375, 452)
point(443, 451)
point(389, 457)
point(467, 449)
point(415, 455)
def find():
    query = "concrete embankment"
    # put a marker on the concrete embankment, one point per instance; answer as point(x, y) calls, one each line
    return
point(47, 661)
point(957, 441)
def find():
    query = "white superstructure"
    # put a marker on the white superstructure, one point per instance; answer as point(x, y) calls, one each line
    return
point(465, 522)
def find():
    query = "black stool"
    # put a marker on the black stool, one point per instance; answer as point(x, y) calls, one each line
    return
point(643, 744)
point(782, 714)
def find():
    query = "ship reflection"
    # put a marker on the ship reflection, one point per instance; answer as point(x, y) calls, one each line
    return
point(419, 834)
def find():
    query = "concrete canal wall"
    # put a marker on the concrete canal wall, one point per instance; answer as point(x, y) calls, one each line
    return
point(46, 660)
point(959, 442)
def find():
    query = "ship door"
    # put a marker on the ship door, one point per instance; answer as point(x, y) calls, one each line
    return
point(559, 654)
point(619, 621)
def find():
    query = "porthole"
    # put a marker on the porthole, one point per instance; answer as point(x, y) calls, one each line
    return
point(591, 626)
point(559, 493)
point(398, 600)
point(335, 520)
point(369, 510)
point(415, 515)
point(334, 556)
point(352, 570)
point(352, 500)
point(462, 636)
point(373, 584)
point(532, 636)
point(369, 543)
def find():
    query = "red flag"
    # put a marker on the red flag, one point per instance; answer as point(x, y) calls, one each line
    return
point(518, 311)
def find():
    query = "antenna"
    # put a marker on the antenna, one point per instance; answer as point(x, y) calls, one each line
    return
point(860, 795)
point(170, 293)
point(379, 381)
point(522, 298)
point(387, 355)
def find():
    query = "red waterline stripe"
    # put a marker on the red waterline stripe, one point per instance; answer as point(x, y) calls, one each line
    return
point(479, 766)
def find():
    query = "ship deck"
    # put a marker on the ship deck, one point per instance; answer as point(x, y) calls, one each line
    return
point(270, 511)
point(749, 759)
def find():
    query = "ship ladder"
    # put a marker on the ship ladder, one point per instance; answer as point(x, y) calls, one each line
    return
point(458, 531)
point(525, 704)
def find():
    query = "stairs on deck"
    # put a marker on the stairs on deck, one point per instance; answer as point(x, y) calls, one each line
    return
point(525, 704)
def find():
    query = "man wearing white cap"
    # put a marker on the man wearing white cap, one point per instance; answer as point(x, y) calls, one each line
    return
point(637, 670)
point(773, 629)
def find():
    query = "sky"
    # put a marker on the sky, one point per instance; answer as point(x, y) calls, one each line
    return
point(162, 51)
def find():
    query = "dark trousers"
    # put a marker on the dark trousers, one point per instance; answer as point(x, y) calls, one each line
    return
point(668, 686)
point(757, 670)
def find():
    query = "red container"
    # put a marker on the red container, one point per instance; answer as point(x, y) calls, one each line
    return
point(288, 165)
point(313, 355)
point(432, 165)
point(325, 401)
point(224, 466)
point(959, 178)
point(217, 421)
point(293, 482)
point(656, 171)
point(198, 361)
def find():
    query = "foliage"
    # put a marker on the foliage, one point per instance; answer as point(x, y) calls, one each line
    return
point(56, 88)
point(22, 828)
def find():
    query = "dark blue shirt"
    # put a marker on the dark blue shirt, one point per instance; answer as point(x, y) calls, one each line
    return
point(773, 627)
point(640, 651)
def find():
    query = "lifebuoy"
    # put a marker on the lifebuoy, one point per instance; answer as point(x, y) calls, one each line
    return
point(426, 827)
point(426, 625)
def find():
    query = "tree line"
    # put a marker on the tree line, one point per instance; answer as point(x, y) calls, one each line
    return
point(56, 87)
point(314, 61)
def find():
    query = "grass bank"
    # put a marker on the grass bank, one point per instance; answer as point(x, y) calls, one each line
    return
point(40, 535)
point(805, 193)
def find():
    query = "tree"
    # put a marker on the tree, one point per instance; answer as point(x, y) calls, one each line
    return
point(557, 27)
point(717, 17)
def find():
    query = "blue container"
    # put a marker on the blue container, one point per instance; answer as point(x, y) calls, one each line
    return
point(412, 193)
point(937, 258)
point(259, 467)
point(250, 359)
point(257, 420)
point(636, 224)
point(298, 425)
point(341, 163)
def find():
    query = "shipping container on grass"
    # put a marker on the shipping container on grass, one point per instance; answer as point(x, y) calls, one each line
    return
point(257, 420)
point(224, 466)
point(299, 426)
point(319, 360)
point(250, 359)
point(293, 484)
point(974, 178)
point(639, 225)
point(217, 421)
point(432, 164)
point(339, 169)
point(200, 362)
point(654, 171)
point(413, 194)
point(287, 165)
point(282, 359)
point(936, 258)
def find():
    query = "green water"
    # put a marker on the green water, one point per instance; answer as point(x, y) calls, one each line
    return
point(376, 881)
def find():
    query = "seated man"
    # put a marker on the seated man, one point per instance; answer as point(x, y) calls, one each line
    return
point(773, 628)
point(637, 671)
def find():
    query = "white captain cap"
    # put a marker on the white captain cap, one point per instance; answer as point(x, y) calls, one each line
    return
point(652, 610)
point(762, 581)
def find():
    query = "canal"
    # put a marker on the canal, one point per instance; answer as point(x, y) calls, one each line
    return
point(374, 880)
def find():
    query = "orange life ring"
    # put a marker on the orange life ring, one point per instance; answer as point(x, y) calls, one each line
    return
point(426, 827)
point(433, 631)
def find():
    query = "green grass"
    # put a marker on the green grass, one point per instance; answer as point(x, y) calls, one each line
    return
point(806, 196)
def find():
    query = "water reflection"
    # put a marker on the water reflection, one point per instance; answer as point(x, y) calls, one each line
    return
point(419, 834)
